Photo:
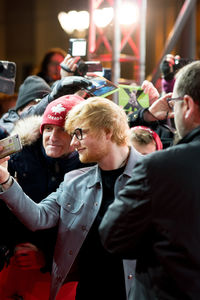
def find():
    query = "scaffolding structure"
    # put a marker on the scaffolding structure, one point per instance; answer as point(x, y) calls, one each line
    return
point(135, 38)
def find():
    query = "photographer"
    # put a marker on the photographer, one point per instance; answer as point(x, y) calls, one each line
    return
point(169, 66)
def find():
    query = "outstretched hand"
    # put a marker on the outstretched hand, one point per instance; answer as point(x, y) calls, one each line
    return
point(68, 85)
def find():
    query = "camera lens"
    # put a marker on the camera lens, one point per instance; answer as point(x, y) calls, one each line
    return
point(82, 68)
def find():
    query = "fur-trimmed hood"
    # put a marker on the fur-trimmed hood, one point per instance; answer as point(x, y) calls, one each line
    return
point(28, 129)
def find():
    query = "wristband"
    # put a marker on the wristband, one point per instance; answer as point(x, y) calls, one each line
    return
point(6, 180)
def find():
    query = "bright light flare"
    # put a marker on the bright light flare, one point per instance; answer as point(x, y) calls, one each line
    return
point(129, 14)
point(82, 21)
point(73, 20)
point(102, 17)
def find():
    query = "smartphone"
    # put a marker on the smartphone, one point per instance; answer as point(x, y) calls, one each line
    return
point(100, 86)
point(77, 47)
point(11, 144)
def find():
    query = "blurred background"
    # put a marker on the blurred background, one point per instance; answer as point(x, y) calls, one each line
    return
point(133, 50)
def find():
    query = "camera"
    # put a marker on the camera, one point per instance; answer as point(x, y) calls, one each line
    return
point(78, 47)
point(7, 77)
point(180, 62)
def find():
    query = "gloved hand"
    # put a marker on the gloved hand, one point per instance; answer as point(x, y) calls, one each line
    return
point(167, 66)
point(68, 85)
point(28, 257)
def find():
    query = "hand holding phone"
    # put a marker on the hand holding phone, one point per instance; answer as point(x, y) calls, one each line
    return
point(10, 144)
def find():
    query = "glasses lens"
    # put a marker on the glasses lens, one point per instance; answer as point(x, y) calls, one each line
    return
point(78, 133)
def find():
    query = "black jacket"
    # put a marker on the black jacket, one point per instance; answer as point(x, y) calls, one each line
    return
point(156, 220)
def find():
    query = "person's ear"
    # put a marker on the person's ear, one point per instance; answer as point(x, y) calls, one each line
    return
point(189, 106)
point(108, 133)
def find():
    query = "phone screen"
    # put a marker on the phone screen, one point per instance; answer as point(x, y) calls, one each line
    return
point(101, 86)
point(11, 144)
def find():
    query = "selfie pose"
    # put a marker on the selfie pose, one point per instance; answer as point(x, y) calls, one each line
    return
point(100, 134)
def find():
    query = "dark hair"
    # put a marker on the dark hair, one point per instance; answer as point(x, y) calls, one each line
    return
point(42, 70)
point(188, 81)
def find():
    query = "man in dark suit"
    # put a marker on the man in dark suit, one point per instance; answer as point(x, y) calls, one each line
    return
point(155, 219)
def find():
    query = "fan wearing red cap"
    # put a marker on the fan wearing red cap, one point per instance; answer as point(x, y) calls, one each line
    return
point(39, 168)
point(56, 141)
point(145, 140)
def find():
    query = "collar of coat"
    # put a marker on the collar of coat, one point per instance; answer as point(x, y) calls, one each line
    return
point(28, 129)
point(134, 157)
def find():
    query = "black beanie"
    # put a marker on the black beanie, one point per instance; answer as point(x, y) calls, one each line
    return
point(33, 87)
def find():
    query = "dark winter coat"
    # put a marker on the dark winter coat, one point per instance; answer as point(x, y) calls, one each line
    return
point(156, 220)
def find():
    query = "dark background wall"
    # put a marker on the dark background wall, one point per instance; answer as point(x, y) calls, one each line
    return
point(29, 28)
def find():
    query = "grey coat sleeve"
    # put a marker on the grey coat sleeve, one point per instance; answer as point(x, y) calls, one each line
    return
point(33, 215)
point(127, 222)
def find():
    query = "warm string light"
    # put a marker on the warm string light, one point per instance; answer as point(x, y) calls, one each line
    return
point(74, 20)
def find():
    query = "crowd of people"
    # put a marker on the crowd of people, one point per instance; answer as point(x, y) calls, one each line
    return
point(100, 204)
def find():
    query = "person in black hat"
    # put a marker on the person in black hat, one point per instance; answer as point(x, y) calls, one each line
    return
point(31, 91)
point(34, 89)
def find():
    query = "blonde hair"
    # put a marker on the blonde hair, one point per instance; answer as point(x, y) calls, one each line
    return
point(100, 113)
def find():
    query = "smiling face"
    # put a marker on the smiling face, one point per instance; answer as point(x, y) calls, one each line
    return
point(56, 141)
point(93, 147)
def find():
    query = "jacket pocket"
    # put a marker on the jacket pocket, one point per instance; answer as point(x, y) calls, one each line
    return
point(70, 212)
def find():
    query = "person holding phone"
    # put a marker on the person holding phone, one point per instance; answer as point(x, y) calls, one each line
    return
point(39, 169)
point(100, 134)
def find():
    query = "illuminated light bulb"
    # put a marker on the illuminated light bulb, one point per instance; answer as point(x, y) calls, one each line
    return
point(68, 20)
point(82, 21)
point(128, 14)
point(102, 17)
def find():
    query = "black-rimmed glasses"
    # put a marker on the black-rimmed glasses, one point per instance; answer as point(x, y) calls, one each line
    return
point(171, 101)
point(78, 133)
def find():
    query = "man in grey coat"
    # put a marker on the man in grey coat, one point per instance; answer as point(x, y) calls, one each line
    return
point(100, 133)
point(155, 219)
